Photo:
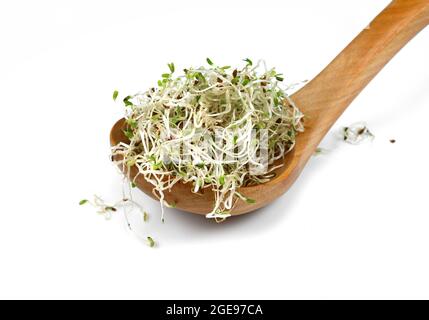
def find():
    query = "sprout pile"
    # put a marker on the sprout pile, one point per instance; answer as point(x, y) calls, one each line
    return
point(217, 128)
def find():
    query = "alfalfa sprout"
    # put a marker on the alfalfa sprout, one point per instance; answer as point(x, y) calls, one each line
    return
point(356, 133)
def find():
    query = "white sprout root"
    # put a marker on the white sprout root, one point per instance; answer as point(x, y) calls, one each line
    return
point(199, 128)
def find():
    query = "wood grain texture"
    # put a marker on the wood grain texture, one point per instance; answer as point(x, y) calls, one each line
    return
point(322, 101)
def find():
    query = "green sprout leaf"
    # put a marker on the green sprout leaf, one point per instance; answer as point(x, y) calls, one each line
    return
point(209, 61)
point(250, 201)
point(157, 166)
point(129, 133)
point(235, 139)
point(132, 123)
point(127, 101)
point(249, 62)
point(222, 180)
point(261, 125)
point(245, 82)
point(200, 165)
point(320, 151)
point(115, 95)
point(150, 242)
point(82, 202)
point(276, 101)
point(173, 204)
point(145, 216)
point(131, 162)
point(171, 67)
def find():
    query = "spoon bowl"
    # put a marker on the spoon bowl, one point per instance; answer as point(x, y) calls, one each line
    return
point(322, 101)
point(202, 203)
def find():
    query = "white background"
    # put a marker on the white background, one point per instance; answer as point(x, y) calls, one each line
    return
point(355, 224)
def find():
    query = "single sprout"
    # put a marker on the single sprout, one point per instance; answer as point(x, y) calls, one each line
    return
point(145, 216)
point(115, 95)
point(127, 101)
point(356, 133)
point(249, 62)
point(250, 201)
point(197, 129)
point(320, 151)
point(150, 242)
point(171, 67)
point(82, 202)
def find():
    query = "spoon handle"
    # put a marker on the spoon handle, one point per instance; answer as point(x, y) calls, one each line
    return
point(325, 98)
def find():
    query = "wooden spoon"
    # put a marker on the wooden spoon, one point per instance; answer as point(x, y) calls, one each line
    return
point(322, 100)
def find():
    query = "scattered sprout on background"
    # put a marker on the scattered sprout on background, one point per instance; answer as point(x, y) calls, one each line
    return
point(319, 151)
point(150, 242)
point(106, 209)
point(115, 95)
point(356, 133)
point(172, 122)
